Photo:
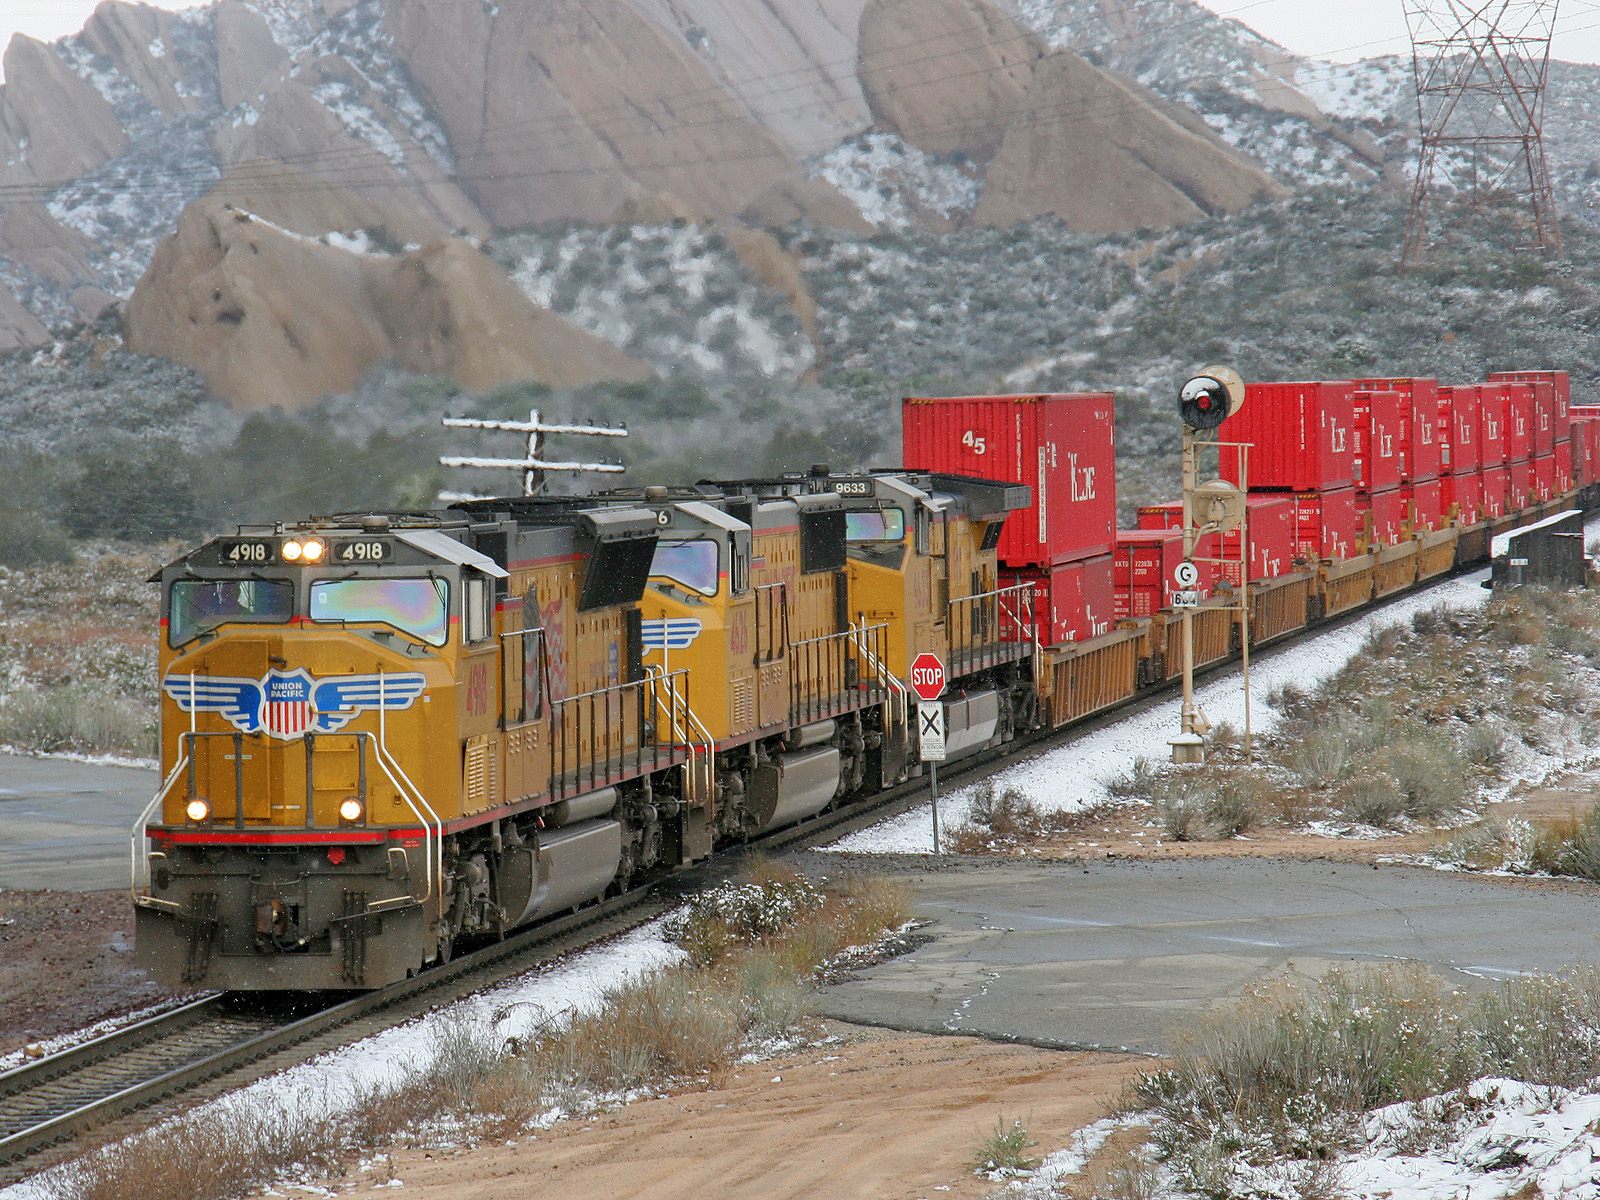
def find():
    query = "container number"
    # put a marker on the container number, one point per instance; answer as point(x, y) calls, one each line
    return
point(362, 552)
point(973, 441)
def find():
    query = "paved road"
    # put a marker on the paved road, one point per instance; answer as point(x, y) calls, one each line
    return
point(65, 825)
point(1118, 955)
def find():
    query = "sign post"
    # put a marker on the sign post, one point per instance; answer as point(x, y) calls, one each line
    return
point(928, 680)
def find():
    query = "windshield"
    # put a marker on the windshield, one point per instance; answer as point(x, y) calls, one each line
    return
point(871, 525)
point(693, 564)
point(199, 605)
point(420, 607)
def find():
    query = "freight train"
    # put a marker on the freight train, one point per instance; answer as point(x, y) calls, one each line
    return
point(386, 734)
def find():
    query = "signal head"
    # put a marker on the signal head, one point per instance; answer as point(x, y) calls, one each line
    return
point(1210, 398)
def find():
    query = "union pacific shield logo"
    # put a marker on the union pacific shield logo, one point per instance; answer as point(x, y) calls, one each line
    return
point(290, 704)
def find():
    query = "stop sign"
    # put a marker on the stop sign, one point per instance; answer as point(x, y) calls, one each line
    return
point(927, 676)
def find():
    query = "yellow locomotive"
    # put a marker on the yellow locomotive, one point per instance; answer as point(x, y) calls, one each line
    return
point(386, 733)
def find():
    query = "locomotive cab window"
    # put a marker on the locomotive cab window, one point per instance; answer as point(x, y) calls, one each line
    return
point(874, 525)
point(197, 606)
point(692, 563)
point(420, 607)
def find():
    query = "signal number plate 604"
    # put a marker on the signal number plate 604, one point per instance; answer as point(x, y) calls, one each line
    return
point(360, 552)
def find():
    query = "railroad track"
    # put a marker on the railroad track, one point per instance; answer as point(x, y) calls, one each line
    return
point(230, 1040)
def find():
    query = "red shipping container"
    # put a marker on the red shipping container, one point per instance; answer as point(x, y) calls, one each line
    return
point(1326, 524)
point(1496, 489)
point(1491, 425)
point(1458, 429)
point(1299, 434)
point(1378, 427)
point(1544, 417)
point(1544, 477)
point(1147, 557)
point(1419, 420)
point(1461, 495)
point(1385, 516)
point(1061, 446)
point(1271, 529)
point(1561, 384)
point(1517, 401)
point(1424, 504)
point(1519, 485)
point(1585, 446)
point(1563, 457)
point(1072, 601)
point(1206, 549)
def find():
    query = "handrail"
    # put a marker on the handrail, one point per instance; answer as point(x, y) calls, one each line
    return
point(432, 838)
point(699, 766)
point(971, 648)
point(821, 673)
point(139, 879)
point(886, 678)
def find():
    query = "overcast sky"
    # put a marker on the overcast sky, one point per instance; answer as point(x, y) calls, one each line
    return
point(1345, 29)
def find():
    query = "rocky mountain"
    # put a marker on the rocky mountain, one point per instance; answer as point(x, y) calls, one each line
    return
point(423, 134)
point(282, 194)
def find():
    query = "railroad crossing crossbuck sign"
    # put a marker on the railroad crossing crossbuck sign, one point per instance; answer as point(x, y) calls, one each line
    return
point(930, 731)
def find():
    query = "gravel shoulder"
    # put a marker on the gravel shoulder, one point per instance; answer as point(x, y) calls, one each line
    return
point(66, 962)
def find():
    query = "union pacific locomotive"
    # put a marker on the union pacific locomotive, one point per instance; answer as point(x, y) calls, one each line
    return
point(384, 733)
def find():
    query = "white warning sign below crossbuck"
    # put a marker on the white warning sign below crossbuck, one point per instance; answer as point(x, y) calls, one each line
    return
point(930, 730)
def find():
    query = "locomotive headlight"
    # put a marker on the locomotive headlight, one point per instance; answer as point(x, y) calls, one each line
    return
point(197, 810)
point(292, 550)
point(312, 549)
point(351, 810)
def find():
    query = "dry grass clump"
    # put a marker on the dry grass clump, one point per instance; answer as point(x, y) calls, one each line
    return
point(1000, 818)
point(1212, 799)
point(755, 949)
point(81, 717)
point(1286, 1074)
point(1567, 846)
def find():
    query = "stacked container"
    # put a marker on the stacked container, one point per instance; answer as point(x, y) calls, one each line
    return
point(1551, 432)
point(1461, 454)
point(1327, 524)
point(1144, 564)
point(1063, 446)
point(1419, 452)
point(1303, 449)
point(1271, 526)
point(1207, 549)
point(1382, 417)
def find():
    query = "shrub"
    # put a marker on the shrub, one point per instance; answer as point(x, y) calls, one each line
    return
point(1005, 812)
point(77, 717)
point(30, 539)
point(1005, 1151)
point(742, 914)
point(1429, 773)
point(1370, 798)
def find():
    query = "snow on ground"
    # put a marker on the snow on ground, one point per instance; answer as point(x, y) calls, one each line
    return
point(1075, 776)
point(333, 1082)
point(1522, 1141)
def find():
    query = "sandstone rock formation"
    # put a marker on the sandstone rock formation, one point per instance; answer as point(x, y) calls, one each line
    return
point(274, 317)
point(1056, 135)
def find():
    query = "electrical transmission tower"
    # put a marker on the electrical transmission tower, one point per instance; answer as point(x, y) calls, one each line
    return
point(1481, 68)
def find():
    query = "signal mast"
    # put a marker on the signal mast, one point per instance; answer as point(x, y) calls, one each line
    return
point(533, 464)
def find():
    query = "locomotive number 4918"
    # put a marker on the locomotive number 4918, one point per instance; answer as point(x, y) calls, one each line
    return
point(361, 552)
